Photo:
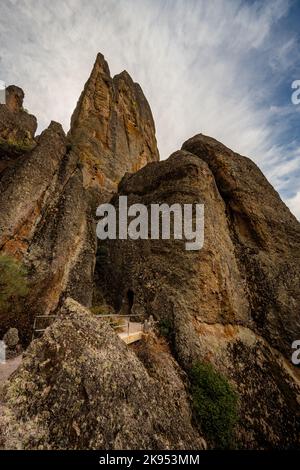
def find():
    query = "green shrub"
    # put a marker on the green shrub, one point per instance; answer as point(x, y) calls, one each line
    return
point(165, 327)
point(102, 251)
point(16, 147)
point(100, 310)
point(114, 321)
point(13, 280)
point(215, 405)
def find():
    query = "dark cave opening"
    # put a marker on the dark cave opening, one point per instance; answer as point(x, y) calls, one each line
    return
point(130, 299)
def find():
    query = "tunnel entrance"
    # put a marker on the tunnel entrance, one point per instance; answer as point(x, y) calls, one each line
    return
point(130, 300)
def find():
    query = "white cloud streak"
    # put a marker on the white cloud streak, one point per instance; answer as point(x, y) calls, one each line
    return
point(204, 66)
point(294, 205)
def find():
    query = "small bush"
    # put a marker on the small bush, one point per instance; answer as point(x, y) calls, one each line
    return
point(102, 251)
point(16, 148)
point(13, 280)
point(215, 405)
point(115, 322)
point(100, 310)
point(165, 328)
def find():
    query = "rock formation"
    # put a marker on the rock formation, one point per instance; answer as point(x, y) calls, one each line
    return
point(235, 303)
point(17, 128)
point(112, 128)
point(49, 194)
point(266, 238)
point(81, 387)
point(232, 303)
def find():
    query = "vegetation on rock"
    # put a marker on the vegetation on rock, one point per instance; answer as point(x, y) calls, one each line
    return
point(215, 404)
point(165, 328)
point(13, 281)
point(11, 147)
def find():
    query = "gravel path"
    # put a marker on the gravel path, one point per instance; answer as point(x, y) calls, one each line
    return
point(9, 367)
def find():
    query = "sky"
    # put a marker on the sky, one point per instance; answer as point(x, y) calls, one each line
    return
point(220, 67)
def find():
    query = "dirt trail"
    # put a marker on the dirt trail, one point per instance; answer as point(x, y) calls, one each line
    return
point(9, 367)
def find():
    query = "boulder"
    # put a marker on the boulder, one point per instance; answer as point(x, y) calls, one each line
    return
point(11, 338)
point(17, 127)
point(81, 387)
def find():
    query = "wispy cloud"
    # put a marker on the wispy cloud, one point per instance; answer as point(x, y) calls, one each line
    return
point(205, 66)
point(294, 204)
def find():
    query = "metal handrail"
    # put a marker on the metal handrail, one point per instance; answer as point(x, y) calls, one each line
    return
point(110, 315)
point(114, 315)
point(45, 316)
point(120, 315)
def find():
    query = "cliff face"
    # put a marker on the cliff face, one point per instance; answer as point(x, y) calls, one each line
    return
point(234, 304)
point(50, 190)
point(112, 128)
point(266, 238)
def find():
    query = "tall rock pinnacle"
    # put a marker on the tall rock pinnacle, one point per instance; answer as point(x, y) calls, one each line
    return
point(112, 128)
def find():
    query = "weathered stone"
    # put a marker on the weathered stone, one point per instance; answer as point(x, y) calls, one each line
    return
point(14, 98)
point(112, 128)
point(266, 237)
point(17, 127)
point(207, 297)
point(11, 338)
point(26, 188)
point(235, 303)
point(81, 387)
point(49, 195)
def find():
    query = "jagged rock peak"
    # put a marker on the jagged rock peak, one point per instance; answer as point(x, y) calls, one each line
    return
point(101, 62)
point(112, 127)
point(17, 127)
point(14, 98)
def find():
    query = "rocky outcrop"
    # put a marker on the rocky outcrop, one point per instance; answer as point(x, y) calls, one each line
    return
point(234, 303)
point(81, 387)
point(231, 303)
point(266, 238)
point(17, 127)
point(112, 128)
point(49, 193)
point(162, 272)
point(25, 189)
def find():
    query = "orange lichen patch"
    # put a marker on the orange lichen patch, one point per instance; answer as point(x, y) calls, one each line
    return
point(93, 176)
point(17, 246)
point(220, 331)
point(160, 345)
point(132, 127)
point(152, 349)
point(139, 164)
point(26, 228)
